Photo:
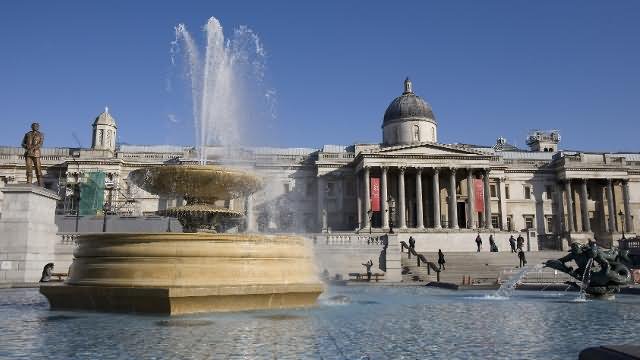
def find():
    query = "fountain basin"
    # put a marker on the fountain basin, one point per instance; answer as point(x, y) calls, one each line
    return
point(202, 183)
point(180, 273)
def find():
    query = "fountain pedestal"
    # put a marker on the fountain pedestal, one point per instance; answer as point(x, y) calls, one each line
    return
point(181, 273)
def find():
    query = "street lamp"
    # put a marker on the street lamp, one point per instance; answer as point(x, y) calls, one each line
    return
point(621, 214)
point(392, 213)
point(106, 207)
point(74, 155)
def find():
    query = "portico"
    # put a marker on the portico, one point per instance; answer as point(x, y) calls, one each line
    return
point(431, 184)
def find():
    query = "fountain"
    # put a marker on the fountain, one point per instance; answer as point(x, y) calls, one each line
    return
point(600, 273)
point(195, 271)
point(201, 269)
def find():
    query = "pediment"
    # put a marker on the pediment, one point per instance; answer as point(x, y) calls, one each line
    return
point(430, 148)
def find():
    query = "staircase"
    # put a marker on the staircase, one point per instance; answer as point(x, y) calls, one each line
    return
point(483, 267)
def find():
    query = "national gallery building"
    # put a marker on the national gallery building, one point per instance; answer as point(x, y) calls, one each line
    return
point(409, 183)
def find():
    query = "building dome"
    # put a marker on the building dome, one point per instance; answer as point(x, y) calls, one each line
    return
point(408, 106)
point(408, 120)
point(105, 119)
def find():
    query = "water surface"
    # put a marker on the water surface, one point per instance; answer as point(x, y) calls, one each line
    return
point(363, 322)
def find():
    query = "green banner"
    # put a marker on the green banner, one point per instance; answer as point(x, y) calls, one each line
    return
point(92, 193)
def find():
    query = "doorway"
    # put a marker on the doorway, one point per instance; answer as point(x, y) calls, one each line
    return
point(462, 214)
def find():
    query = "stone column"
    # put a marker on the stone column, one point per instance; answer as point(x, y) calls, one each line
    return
point(453, 211)
point(436, 199)
point(470, 200)
point(487, 200)
point(628, 220)
point(322, 218)
point(503, 202)
point(367, 198)
point(384, 196)
point(584, 208)
point(419, 210)
point(567, 191)
point(611, 205)
point(401, 200)
point(559, 210)
point(359, 199)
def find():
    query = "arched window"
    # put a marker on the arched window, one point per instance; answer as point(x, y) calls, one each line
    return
point(416, 132)
point(101, 137)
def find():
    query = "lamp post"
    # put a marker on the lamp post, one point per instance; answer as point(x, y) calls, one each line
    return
point(621, 214)
point(74, 155)
point(106, 208)
point(392, 213)
point(370, 216)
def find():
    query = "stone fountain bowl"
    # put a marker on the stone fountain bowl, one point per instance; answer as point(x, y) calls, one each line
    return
point(202, 183)
point(182, 273)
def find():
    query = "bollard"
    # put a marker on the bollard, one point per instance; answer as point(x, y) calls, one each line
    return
point(438, 276)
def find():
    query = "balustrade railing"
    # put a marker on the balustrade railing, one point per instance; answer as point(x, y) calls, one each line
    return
point(349, 240)
point(67, 238)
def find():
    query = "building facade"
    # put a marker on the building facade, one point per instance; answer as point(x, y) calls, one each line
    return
point(409, 183)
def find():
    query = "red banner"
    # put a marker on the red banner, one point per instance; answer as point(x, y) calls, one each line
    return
point(478, 190)
point(375, 194)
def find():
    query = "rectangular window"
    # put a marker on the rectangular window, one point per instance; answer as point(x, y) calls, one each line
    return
point(331, 189)
point(287, 188)
point(492, 190)
point(495, 221)
point(350, 188)
point(549, 191)
point(528, 221)
point(549, 220)
point(510, 223)
point(506, 191)
point(527, 192)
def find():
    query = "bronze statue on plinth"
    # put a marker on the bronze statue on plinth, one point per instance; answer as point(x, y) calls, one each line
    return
point(31, 143)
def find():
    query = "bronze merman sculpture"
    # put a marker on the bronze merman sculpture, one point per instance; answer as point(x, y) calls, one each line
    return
point(609, 269)
point(32, 142)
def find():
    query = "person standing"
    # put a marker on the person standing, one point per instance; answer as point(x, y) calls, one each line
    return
point(520, 241)
point(521, 256)
point(512, 243)
point(441, 260)
point(492, 244)
point(32, 142)
point(479, 242)
point(368, 265)
point(412, 242)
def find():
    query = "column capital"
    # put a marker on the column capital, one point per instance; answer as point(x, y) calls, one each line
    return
point(436, 170)
point(402, 169)
point(419, 170)
point(453, 169)
point(502, 178)
point(384, 168)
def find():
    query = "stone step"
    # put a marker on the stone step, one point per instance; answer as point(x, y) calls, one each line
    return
point(483, 267)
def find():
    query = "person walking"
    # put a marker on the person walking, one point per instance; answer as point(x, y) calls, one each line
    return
point(492, 244)
point(412, 242)
point(521, 256)
point(441, 260)
point(520, 241)
point(479, 242)
point(512, 243)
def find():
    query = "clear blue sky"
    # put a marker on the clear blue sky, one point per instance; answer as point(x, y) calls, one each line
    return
point(488, 68)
